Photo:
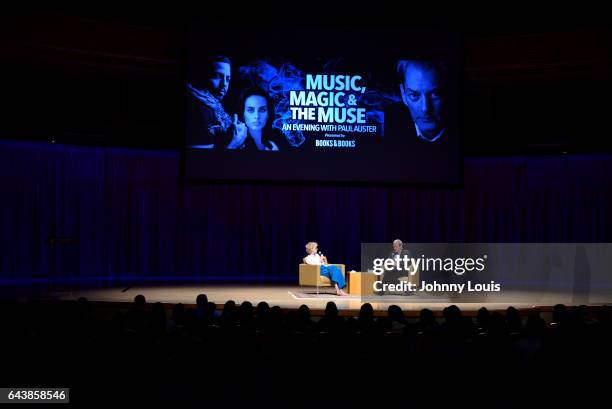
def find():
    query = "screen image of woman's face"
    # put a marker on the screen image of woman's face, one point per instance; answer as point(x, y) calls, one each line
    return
point(255, 112)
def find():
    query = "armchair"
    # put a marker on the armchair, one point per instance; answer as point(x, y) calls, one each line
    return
point(310, 275)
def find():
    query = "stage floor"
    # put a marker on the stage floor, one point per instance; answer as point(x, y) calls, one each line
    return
point(289, 297)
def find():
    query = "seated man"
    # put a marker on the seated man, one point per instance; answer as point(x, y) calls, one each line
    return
point(392, 276)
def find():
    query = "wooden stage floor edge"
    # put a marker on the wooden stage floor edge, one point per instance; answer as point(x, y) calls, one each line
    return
point(289, 297)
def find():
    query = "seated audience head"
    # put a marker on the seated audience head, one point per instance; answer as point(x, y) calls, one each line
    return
point(331, 310)
point(201, 300)
point(395, 313)
point(140, 300)
point(559, 316)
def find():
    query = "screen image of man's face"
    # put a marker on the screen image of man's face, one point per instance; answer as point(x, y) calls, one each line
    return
point(219, 80)
point(423, 95)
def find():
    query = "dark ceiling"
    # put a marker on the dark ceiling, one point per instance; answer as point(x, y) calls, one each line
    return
point(533, 83)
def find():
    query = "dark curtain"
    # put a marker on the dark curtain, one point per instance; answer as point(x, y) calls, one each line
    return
point(77, 213)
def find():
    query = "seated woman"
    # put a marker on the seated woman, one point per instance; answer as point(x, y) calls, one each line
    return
point(331, 272)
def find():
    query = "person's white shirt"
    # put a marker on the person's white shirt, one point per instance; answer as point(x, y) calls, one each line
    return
point(420, 134)
point(313, 259)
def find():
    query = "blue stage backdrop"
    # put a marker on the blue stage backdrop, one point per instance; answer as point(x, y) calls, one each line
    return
point(123, 215)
